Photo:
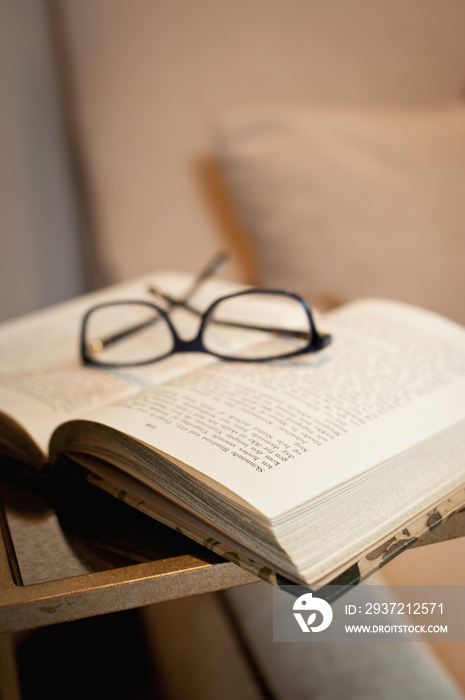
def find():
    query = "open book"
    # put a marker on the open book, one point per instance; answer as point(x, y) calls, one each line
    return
point(295, 467)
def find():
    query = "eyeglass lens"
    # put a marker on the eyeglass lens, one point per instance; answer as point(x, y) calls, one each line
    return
point(257, 326)
point(127, 333)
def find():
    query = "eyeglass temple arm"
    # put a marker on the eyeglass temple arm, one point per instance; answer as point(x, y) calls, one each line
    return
point(109, 340)
point(207, 272)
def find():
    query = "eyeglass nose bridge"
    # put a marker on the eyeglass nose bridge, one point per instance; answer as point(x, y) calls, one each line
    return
point(180, 345)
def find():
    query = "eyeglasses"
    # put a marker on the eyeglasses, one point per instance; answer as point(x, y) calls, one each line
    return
point(255, 325)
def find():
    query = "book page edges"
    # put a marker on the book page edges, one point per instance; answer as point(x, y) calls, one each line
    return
point(97, 440)
point(162, 508)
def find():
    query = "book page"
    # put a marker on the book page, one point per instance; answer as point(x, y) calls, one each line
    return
point(43, 381)
point(279, 433)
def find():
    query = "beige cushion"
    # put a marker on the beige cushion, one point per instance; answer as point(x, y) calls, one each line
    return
point(362, 201)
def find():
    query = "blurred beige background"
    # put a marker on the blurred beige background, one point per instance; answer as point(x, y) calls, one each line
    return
point(109, 111)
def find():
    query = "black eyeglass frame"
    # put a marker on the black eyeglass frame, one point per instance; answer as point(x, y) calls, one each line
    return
point(317, 341)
